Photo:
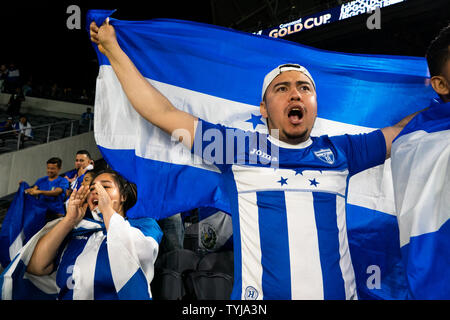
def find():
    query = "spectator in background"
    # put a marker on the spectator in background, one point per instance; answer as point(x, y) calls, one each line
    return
point(55, 92)
point(24, 128)
point(84, 98)
point(3, 75)
point(15, 102)
point(27, 88)
point(7, 125)
point(68, 94)
point(13, 78)
point(87, 117)
point(51, 189)
point(83, 163)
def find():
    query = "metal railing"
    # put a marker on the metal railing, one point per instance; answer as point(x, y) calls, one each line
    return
point(18, 133)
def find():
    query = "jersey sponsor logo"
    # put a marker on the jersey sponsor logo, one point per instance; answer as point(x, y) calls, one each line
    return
point(264, 155)
point(325, 155)
point(251, 293)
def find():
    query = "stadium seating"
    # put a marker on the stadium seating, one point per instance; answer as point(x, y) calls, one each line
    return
point(60, 128)
point(185, 275)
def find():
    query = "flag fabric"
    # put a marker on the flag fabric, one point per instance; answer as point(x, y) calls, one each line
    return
point(215, 230)
point(92, 263)
point(25, 216)
point(421, 175)
point(216, 74)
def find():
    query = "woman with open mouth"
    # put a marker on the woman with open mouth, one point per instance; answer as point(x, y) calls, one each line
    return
point(104, 255)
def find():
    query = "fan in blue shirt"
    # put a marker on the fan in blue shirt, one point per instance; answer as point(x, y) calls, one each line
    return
point(52, 188)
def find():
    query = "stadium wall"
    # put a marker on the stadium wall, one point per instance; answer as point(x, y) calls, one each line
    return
point(45, 106)
point(30, 164)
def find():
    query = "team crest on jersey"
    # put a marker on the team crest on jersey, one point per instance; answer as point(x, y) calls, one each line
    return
point(251, 293)
point(326, 155)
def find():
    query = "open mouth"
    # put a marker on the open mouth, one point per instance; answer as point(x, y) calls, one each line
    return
point(295, 115)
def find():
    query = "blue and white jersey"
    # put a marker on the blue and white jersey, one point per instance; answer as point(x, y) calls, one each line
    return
point(288, 209)
point(92, 264)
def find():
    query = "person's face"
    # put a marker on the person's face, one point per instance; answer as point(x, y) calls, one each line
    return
point(81, 161)
point(52, 170)
point(87, 179)
point(108, 182)
point(290, 106)
point(23, 120)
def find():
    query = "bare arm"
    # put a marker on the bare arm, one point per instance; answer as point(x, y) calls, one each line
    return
point(49, 193)
point(390, 133)
point(146, 100)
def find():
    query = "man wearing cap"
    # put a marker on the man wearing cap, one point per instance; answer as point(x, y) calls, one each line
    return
point(287, 190)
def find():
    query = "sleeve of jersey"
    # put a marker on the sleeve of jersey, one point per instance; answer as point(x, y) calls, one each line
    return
point(363, 151)
point(211, 143)
point(64, 184)
point(132, 251)
point(39, 182)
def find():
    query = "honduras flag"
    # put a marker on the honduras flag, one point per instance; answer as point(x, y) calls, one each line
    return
point(25, 217)
point(421, 173)
point(216, 74)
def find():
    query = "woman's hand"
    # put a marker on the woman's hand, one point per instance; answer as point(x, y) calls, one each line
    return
point(105, 204)
point(76, 208)
point(104, 36)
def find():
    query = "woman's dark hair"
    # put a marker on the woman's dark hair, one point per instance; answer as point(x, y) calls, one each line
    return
point(127, 189)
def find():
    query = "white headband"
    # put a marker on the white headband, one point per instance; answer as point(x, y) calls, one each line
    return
point(281, 68)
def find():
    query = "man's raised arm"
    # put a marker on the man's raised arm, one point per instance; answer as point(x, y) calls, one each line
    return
point(146, 100)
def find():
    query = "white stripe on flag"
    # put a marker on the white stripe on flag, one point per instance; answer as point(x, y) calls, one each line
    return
point(421, 166)
point(129, 250)
point(16, 245)
point(83, 271)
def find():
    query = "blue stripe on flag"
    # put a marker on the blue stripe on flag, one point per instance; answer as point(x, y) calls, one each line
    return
point(231, 65)
point(103, 282)
point(274, 245)
point(436, 118)
point(148, 226)
point(427, 268)
point(374, 239)
point(168, 185)
point(64, 275)
point(25, 214)
point(135, 289)
point(328, 236)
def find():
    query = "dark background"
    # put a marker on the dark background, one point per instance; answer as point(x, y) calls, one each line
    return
point(34, 35)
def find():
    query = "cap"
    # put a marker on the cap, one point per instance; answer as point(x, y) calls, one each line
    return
point(282, 68)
